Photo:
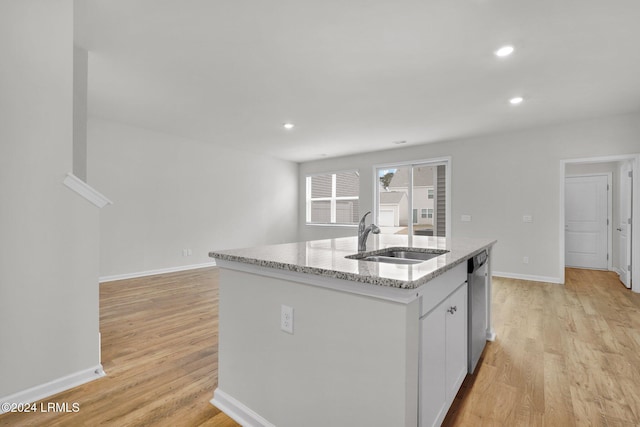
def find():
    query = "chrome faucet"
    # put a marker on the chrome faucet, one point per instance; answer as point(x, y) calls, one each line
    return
point(363, 233)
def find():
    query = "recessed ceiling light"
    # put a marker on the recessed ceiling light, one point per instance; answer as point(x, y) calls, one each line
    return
point(504, 51)
point(516, 100)
point(288, 125)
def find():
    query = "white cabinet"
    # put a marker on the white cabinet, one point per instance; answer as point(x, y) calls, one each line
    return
point(443, 358)
point(456, 348)
point(433, 383)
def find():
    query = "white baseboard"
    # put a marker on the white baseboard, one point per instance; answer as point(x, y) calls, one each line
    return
point(56, 386)
point(237, 410)
point(529, 277)
point(155, 272)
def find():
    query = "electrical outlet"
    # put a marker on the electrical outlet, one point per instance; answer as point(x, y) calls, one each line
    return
point(185, 252)
point(527, 218)
point(525, 260)
point(189, 252)
point(286, 319)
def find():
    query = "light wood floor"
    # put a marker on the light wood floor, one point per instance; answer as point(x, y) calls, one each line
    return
point(565, 356)
point(159, 350)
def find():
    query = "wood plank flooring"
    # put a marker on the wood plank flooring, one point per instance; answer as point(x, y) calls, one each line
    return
point(565, 356)
point(159, 350)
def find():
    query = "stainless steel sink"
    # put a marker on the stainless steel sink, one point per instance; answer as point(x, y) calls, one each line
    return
point(399, 255)
point(413, 255)
point(391, 260)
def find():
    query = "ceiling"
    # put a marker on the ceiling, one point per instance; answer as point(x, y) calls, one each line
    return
point(356, 75)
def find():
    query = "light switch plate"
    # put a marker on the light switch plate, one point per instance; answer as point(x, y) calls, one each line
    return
point(527, 218)
point(465, 218)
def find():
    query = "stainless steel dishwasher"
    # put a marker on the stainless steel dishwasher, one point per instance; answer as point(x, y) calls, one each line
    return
point(477, 303)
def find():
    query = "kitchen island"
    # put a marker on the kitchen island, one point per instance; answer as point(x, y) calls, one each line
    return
point(309, 336)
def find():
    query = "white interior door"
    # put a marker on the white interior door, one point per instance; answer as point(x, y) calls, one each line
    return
point(586, 206)
point(624, 224)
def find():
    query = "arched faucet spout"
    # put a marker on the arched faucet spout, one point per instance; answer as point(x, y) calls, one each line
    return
point(363, 232)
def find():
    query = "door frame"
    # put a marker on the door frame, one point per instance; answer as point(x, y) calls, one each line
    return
point(609, 176)
point(628, 250)
point(635, 214)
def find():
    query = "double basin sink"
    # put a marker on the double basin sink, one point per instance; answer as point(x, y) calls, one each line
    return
point(398, 255)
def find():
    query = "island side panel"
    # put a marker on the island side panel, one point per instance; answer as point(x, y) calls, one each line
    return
point(352, 360)
point(491, 334)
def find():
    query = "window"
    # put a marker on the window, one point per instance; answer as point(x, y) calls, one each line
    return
point(332, 198)
point(413, 197)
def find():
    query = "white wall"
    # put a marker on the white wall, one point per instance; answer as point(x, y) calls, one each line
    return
point(80, 81)
point(172, 193)
point(497, 179)
point(48, 234)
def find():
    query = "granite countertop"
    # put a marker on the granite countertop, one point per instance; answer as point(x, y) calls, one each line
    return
point(327, 258)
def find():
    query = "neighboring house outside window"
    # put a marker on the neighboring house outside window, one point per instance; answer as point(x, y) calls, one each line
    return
point(412, 198)
point(333, 198)
point(423, 198)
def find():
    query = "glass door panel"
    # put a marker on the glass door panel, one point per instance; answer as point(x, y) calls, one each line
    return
point(412, 199)
point(394, 215)
point(423, 199)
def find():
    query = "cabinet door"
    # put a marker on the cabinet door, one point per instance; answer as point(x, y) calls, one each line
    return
point(456, 340)
point(432, 393)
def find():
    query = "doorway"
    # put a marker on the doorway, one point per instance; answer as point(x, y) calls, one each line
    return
point(588, 221)
point(624, 203)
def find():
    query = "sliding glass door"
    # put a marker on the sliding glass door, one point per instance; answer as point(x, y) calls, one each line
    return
point(412, 198)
